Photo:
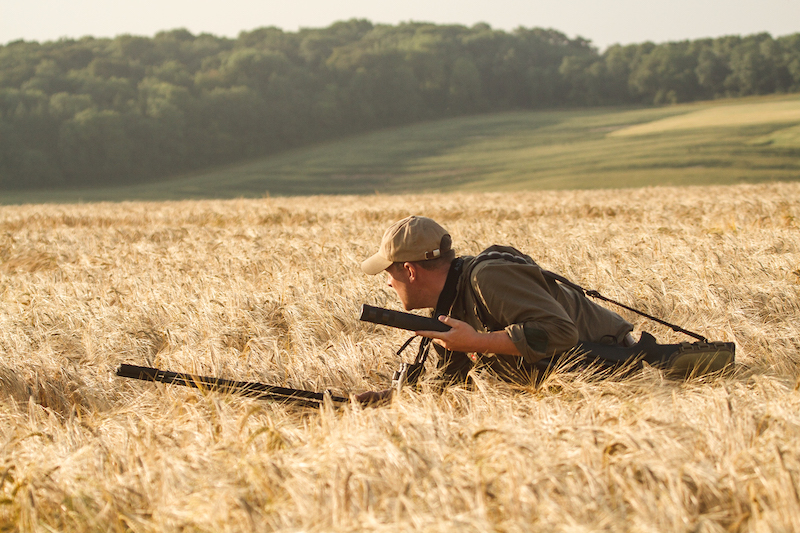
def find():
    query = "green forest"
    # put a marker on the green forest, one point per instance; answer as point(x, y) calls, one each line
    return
point(137, 109)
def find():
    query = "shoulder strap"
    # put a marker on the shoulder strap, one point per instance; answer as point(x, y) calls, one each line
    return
point(446, 299)
point(508, 253)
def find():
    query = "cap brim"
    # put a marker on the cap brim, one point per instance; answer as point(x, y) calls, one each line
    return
point(375, 264)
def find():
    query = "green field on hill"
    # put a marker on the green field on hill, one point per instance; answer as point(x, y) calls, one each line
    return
point(721, 142)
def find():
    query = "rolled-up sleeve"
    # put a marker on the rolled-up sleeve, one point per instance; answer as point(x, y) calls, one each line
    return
point(517, 295)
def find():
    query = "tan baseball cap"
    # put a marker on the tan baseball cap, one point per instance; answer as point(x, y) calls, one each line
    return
point(411, 239)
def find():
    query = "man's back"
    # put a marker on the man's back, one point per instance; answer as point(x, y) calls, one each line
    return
point(541, 316)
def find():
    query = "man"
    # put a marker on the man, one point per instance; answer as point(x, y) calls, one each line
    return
point(504, 314)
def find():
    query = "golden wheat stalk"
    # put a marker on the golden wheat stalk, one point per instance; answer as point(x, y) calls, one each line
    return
point(269, 290)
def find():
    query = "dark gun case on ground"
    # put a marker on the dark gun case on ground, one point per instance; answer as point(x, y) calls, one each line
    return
point(259, 391)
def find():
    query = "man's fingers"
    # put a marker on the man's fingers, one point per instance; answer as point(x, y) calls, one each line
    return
point(429, 334)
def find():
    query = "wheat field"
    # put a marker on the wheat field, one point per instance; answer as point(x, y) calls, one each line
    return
point(269, 290)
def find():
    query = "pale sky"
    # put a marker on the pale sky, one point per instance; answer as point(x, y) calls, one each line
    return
point(604, 22)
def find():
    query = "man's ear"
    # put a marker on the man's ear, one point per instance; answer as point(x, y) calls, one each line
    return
point(412, 271)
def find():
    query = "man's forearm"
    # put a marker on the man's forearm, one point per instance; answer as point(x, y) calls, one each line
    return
point(495, 342)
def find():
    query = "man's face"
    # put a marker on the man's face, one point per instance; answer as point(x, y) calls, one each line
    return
point(401, 280)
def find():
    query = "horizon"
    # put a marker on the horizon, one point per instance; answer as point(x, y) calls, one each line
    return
point(615, 22)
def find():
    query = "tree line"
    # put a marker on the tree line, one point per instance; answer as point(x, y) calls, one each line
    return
point(129, 109)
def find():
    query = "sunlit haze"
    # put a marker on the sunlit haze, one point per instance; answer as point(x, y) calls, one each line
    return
point(604, 23)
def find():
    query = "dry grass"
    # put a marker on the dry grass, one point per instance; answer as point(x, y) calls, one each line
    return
point(738, 114)
point(269, 290)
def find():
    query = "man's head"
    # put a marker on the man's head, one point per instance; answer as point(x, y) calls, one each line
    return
point(413, 239)
point(416, 253)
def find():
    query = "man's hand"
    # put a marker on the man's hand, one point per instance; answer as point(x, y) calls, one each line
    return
point(464, 338)
point(460, 338)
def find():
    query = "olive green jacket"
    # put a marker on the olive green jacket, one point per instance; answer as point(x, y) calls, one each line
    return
point(542, 317)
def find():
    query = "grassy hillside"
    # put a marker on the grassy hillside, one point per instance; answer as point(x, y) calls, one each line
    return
point(269, 290)
point(747, 140)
